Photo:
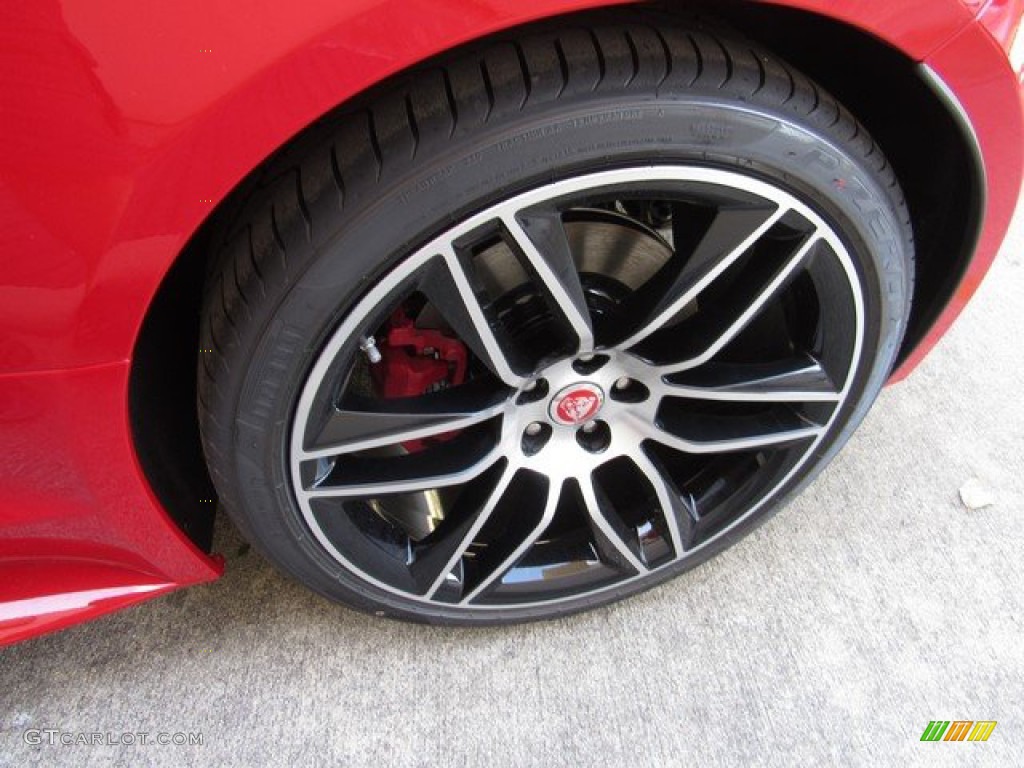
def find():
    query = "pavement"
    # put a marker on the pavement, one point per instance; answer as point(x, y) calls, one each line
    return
point(871, 605)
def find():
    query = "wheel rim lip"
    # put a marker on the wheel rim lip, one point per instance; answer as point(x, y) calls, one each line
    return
point(441, 245)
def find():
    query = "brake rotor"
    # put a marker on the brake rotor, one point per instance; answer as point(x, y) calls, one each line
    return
point(602, 242)
point(615, 246)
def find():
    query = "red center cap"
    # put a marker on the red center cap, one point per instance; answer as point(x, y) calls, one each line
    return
point(576, 404)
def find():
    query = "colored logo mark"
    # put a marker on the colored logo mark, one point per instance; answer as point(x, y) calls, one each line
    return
point(958, 730)
point(576, 404)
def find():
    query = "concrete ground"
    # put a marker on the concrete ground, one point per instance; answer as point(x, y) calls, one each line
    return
point(873, 604)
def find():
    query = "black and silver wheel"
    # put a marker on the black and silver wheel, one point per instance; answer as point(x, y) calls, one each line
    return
point(549, 322)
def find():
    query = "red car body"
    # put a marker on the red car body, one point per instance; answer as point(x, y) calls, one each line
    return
point(125, 124)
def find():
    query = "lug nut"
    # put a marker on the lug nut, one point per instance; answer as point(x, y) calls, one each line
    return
point(589, 362)
point(532, 391)
point(623, 382)
point(594, 436)
point(535, 437)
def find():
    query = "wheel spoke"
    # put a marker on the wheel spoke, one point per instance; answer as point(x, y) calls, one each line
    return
point(610, 526)
point(541, 239)
point(679, 517)
point(550, 505)
point(769, 435)
point(732, 233)
point(791, 381)
point(392, 422)
point(452, 291)
point(438, 468)
point(435, 565)
point(733, 329)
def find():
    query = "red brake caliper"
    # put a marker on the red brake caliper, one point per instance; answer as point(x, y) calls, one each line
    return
point(417, 361)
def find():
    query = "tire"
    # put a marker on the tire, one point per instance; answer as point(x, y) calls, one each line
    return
point(656, 277)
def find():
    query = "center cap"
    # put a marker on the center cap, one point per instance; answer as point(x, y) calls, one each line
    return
point(576, 404)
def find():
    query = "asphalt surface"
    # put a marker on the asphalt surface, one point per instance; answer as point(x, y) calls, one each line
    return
point(874, 603)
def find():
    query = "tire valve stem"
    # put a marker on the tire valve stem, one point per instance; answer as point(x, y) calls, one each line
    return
point(369, 345)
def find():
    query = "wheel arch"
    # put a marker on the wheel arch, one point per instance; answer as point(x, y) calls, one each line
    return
point(903, 106)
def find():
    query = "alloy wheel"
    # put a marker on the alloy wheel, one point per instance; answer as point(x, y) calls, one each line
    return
point(640, 359)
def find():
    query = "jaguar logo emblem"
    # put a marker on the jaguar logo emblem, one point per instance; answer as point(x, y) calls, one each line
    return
point(576, 404)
